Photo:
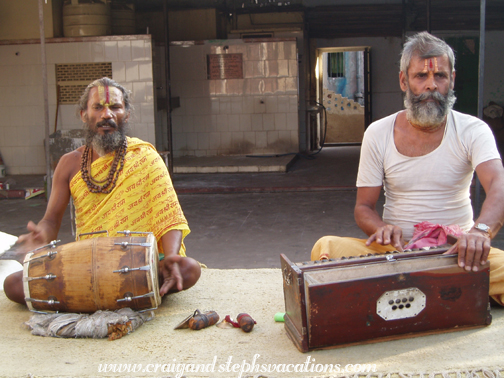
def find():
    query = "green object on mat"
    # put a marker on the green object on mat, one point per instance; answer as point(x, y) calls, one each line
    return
point(279, 316)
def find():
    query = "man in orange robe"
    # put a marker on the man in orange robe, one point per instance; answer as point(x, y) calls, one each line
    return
point(117, 183)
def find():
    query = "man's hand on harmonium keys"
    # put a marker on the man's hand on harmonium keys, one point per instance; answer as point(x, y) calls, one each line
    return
point(472, 249)
point(386, 235)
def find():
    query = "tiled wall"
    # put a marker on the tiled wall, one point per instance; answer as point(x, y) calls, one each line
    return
point(22, 128)
point(254, 115)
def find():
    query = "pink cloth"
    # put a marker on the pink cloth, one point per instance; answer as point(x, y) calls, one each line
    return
point(428, 234)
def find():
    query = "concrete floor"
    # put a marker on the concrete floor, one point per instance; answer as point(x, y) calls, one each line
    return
point(243, 220)
point(246, 220)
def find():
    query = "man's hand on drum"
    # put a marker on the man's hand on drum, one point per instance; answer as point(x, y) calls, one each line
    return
point(171, 277)
point(386, 235)
point(472, 249)
point(28, 242)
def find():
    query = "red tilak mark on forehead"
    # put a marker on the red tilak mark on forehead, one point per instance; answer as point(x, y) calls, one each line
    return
point(430, 64)
point(107, 94)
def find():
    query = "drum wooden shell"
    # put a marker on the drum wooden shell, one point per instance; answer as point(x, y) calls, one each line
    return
point(85, 279)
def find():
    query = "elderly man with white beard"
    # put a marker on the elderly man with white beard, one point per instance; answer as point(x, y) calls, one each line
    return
point(425, 157)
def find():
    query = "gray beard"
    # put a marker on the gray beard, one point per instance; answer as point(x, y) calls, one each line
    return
point(104, 144)
point(428, 114)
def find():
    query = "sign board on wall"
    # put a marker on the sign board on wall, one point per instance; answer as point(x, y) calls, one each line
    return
point(225, 66)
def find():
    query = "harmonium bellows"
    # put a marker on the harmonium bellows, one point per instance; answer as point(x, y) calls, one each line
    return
point(357, 300)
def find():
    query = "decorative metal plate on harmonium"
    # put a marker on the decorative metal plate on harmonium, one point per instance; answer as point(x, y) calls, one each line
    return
point(356, 300)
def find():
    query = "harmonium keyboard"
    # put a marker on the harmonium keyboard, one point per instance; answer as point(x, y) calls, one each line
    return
point(356, 300)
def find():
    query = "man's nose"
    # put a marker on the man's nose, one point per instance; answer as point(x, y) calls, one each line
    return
point(431, 82)
point(106, 113)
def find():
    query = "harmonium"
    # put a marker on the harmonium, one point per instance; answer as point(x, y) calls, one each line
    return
point(363, 299)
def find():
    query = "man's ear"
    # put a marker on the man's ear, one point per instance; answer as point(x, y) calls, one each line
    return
point(403, 81)
point(83, 116)
point(126, 118)
point(452, 83)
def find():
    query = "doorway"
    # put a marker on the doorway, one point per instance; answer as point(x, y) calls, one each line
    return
point(466, 81)
point(343, 88)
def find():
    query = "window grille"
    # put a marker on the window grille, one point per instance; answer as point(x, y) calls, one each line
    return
point(336, 64)
point(72, 79)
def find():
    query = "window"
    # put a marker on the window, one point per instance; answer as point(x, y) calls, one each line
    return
point(336, 64)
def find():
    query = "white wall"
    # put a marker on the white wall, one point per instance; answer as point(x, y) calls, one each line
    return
point(254, 115)
point(22, 128)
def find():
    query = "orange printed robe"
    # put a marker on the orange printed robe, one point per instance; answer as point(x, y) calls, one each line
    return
point(143, 198)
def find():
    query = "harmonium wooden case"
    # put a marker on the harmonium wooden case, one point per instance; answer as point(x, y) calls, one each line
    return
point(356, 300)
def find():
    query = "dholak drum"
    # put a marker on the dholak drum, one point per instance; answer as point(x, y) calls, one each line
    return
point(102, 273)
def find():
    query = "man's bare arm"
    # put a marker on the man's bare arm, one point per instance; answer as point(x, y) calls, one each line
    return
point(169, 267)
point(473, 248)
point(47, 229)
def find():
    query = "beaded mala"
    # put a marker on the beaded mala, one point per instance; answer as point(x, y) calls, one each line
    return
point(110, 182)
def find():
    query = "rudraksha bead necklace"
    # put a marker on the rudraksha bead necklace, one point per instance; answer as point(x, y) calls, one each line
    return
point(110, 181)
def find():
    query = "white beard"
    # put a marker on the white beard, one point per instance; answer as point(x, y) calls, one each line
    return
point(428, 114)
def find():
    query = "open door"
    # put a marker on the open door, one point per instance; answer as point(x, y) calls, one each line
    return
point(466, 82)
point(344, 89)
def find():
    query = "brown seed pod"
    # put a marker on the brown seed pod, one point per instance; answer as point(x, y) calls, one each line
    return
point(200, 321)
point(246, 322)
